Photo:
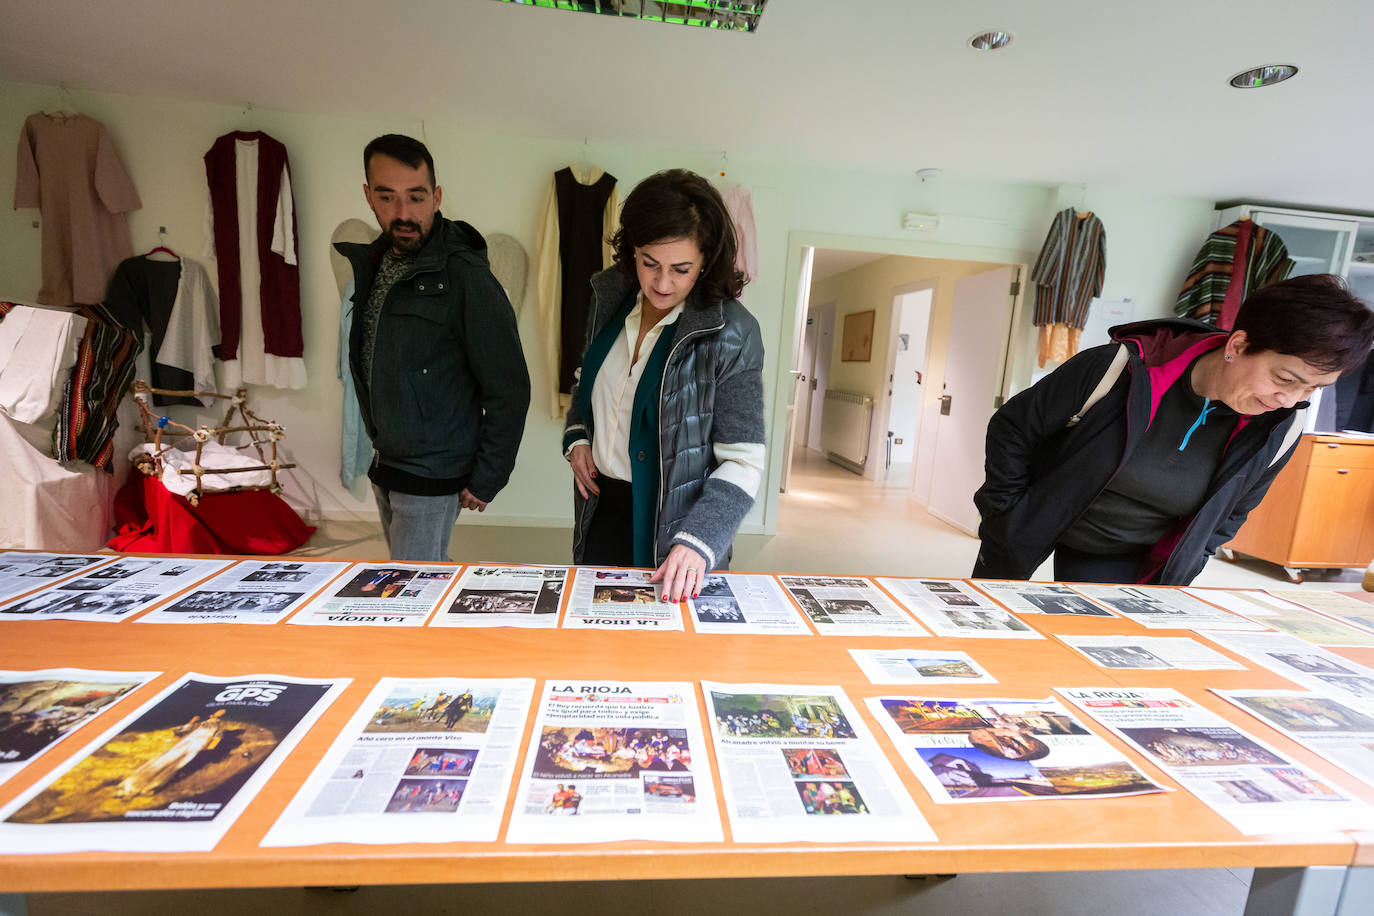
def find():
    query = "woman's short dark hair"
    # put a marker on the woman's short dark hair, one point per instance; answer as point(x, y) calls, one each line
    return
point(678, 204)
point(1313, 317)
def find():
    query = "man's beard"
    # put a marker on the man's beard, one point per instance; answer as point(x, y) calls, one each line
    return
point(406, 245)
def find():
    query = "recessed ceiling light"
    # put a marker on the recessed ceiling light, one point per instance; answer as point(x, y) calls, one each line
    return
point(990, 41)
point(1264, 76)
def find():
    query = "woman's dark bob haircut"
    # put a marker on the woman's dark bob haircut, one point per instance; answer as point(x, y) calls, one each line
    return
point(1313, 317)
point(678, 204)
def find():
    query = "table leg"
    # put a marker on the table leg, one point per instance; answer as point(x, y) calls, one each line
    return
point(1313, 891)
point(14, 905)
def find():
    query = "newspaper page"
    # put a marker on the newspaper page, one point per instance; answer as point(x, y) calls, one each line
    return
point(1160, 608)
point(996, 750)
point(24, 572)
point(1333, 604)
point(744, 603)
point(114, 591)
point(40, 708)
point(1041, 598)
point(616, 760)
point(953, 608)
point(618, 599)
point(1247, 782)
point(1149, 652)
point(797, 763)
point(920, 666)
point(849, 606)
point(1271, 612)
point(505, 596)
point(1330, 728)
point(380, 595)
point(252, 591)
point(175, 774)
point(422, 761)
point(1312, 666)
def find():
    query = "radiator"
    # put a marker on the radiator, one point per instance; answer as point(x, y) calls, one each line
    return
point(845, 425)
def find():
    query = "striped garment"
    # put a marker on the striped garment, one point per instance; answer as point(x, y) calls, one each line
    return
point(1266, 261)
point(102, 375)
point(1069, 271)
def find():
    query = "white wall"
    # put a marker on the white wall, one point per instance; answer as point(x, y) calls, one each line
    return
point(498, 184)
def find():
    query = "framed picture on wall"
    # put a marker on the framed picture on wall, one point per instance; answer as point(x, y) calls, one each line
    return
point(857, 343)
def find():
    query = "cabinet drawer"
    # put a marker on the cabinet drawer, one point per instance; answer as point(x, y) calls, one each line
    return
point(1342, 455)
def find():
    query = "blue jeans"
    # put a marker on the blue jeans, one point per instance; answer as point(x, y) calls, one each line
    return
point(416, 528)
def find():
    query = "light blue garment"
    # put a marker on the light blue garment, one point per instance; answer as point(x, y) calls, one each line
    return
point(357, 445)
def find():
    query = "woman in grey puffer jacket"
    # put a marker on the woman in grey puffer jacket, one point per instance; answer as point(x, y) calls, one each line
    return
point(665, 431)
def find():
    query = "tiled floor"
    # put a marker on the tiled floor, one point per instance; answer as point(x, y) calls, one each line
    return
point(830, 521)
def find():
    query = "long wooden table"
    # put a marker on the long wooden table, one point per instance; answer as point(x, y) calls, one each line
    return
point(1170, 830)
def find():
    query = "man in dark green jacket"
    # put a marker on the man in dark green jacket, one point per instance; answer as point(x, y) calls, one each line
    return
point(435, 355)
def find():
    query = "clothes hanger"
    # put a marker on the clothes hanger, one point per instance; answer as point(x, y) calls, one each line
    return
point(64, 110)
point(162, 245)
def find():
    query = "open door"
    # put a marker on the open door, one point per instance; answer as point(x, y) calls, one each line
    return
point(798, 383)
point(979, 336)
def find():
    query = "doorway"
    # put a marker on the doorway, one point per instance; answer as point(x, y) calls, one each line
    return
point(906, 361)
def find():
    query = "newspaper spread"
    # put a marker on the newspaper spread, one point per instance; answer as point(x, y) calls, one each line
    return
point(505, 596)
point(24, 572)
point(849, 606)
point(40, 708)
point(744, 603)
point(953, 608)
point(114, 591)
point(1149, 652)
point(618, 599)
point(1333, 604)
point(995, 750)
point(1242, 779)
point(1160, 608)
point(1339, 733)
point(1269, 611)
point(175, 773)
point(1041, 598)
point(798, 763)
point(252, 591)
point(422, 761)
point(380, 595)
point(616, 760)
point(920, 666)
point(1312, 666)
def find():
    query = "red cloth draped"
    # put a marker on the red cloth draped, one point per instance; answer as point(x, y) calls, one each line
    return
point(150, 519)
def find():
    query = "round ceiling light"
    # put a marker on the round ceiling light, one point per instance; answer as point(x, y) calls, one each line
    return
point(1264, 76)
point(990, 41)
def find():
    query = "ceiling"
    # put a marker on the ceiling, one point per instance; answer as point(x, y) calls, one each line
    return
point(827, 262)
point(1089, 92)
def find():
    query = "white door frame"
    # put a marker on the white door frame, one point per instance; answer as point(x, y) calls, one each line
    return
point(882, 413)
point(789, 328)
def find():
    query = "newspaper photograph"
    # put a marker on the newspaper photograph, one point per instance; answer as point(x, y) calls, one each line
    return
point(175, 773)
point(1269, 611)
point(40, 708)
point(1156, 652)
point(618, 599)
point(380, 595)
point(505, 596)
point(849, 606)
point(1000, 750)
point(1242, 779)
point(920, 666)
point(24, 572)
point(1040, 598)
point(1339, 733)
point(616, 760)
point(114, 591)
point(1345, 608)
point(1159, 608)
point(252, 591)
point(1303, 663)
point(953, 608)
point(797, 763)
point(422, 761)
point(744, 603)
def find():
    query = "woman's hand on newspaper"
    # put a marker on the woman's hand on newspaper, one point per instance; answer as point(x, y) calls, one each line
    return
point(681, 574)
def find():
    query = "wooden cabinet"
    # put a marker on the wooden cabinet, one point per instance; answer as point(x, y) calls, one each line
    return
point(1320, 511)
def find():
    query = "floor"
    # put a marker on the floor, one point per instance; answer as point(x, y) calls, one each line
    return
point(829, 521)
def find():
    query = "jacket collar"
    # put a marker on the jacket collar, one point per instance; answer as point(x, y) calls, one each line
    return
point(612, 288)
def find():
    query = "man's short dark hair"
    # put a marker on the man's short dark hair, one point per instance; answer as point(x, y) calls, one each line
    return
point(1313, 317)
point(405, 150)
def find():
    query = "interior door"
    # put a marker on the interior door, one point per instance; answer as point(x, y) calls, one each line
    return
point(820, 372)
point(975, 360)
point(798, 391)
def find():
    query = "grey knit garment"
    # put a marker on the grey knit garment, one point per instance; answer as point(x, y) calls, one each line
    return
point(392, 268)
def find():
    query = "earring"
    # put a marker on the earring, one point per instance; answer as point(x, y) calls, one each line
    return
point(1229, 357)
